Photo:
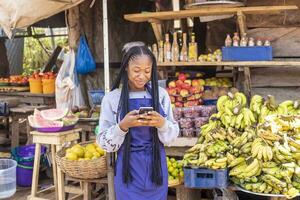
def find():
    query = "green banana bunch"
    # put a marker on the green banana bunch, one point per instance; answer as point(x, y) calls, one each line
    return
point(293, 107)
point(256, 103)
point(271, 108)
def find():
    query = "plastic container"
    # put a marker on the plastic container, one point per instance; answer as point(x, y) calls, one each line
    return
point(188, 132)
point(48, 86)
point(7, 178)
point(207, 110)
point(24, 155)
point(191, 112)
point(96, 96)
point(177, 112)
point(35, 86)
point(204, 178)
point(210, 101)
point(256, 53)
point(200, 121)
point(186, 123)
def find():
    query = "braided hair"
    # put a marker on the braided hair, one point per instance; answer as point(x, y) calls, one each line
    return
point(122, 81)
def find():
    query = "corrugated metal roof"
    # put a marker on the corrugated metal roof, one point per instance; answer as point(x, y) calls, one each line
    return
point(15, 50)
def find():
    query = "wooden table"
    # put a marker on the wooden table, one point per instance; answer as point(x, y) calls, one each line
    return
point(32, 99)
point(56, 140)
point(21, 112)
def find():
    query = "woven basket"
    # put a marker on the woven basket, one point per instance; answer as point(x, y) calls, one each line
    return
point(84, 169)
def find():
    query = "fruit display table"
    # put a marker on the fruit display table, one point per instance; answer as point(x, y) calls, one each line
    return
point(21, 112)
point(56, 140)
point(32, 99)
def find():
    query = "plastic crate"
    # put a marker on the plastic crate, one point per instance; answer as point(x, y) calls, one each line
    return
point(209, 102)
point(205, 178)
point(96, 96)
point(256, 53)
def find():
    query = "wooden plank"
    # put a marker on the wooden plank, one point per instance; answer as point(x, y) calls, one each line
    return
point(60, 179)
point(169, 15)
point(54, 169)
point(241, 18)
point(285, 41)
point(57, 133)
point(275, 77)
point(183, 193)
point(183, 142)
point(284, 19)
point(157, 29)
point(252, 64)
point(15, 132)
point(247, 83)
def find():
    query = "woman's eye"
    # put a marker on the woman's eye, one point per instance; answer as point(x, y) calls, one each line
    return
point(147, 70)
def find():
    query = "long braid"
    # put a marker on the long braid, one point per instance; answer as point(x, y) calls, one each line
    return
point(156, 174)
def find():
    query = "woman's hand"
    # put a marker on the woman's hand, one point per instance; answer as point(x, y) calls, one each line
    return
point(154, 119)
point(132, 119)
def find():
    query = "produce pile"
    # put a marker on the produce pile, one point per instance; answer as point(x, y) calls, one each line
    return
point(260, 145)
point(185, 92)
point(88, 152)
point(85, 112)
point(50, 118)
point(211, 57)
point(175, 170)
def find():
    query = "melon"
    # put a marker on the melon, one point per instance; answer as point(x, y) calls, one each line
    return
point(39, 122)
point(54, 114)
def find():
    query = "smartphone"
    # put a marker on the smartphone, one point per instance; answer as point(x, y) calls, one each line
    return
point(145, 110)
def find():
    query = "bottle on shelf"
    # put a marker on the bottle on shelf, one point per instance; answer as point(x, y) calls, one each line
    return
point(184, 49)
point(259, 42)
point(160, 52)
point(228, 41)
point(193, 49)
point(267, 43)
point(236, 40)
point(244, 41)
point(155, 51)
point(251, 42)
point(167, 49)
point(175, 48)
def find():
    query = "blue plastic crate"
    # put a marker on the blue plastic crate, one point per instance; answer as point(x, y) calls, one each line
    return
point(209, 102)
point(205, 178)
point(96, 96)
point(256, 53)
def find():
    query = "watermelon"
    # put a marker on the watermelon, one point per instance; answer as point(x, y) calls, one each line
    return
point(37, 121)
point(54, 114)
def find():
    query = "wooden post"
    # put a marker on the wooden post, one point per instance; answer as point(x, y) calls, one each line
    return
point(15, 131)
point(157, 29)
point(247, 83)
point(36, 169)
point(60, 180)
point(54, 168)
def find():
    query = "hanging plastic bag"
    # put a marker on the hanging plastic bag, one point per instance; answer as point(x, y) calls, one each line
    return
point(84, 60)
point(67, 90)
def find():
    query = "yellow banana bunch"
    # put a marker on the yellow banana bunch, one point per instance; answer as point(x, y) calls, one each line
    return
point(293, 107)
point(271, 108)
point(261, 150)
point(230, 101)
point(256, 103)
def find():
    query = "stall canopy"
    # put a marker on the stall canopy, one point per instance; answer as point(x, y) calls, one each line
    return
point(23, 13)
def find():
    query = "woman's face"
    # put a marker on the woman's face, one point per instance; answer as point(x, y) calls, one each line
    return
point(139, 72)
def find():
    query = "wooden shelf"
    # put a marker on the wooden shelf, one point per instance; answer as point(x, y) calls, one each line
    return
point(170, 15)
point(282, 63)
point(184, 142)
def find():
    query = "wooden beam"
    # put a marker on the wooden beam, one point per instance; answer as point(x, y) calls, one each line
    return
point(241, 18)
point(157, 29)
point(274, 63)
point(210, 11)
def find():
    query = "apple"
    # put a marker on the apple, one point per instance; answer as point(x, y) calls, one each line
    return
point(178, 104)
point(191, 98)
point(179, 98)
point(172, 99)
point(179, 83)
point(177, 90)
point(200, 88)
point(198, 96)
point(192, 103)
point(199, 75)
point(188, 81)
point(172, 84)
point(182, 77)
point(195, 83)
point(185, 86)
point(171, 91)
point(184, 93)
point(187, 75)
point(200, 101)
point(194, 90)
point(176, 74)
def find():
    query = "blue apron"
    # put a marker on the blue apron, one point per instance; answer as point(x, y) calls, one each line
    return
point(141, 187)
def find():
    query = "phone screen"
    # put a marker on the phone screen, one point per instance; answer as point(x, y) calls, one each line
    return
point(145, 110)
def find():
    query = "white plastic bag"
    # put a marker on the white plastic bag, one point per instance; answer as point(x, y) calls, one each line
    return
point(67, 87)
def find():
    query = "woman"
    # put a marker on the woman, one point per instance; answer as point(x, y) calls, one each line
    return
point(141, 169)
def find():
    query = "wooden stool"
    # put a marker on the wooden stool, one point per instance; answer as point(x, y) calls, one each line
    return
point(88, 128)
point(56, 140)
